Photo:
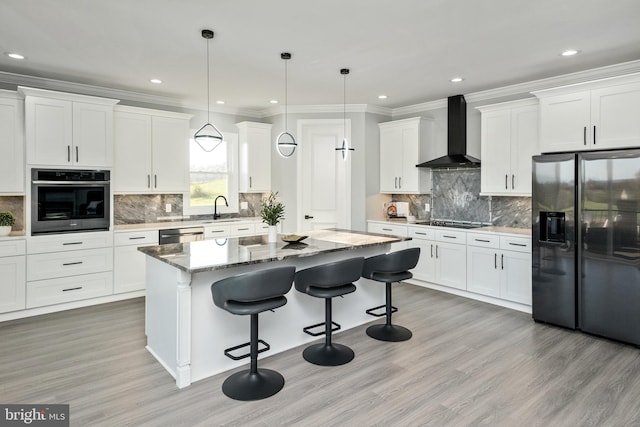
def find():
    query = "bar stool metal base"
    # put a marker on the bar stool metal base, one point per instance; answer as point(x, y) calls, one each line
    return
point(386, 332)
point(328, 355)
point(245, 385)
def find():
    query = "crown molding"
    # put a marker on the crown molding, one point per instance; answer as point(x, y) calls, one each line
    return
point(324, 109)
point(417, 108)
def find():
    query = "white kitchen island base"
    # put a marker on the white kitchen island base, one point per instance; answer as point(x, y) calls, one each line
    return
point(187, 333)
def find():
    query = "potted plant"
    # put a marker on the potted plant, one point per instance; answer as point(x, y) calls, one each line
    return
point(6, 222)
point(272, 212)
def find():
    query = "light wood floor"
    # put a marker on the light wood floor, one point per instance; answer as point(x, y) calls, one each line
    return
point(468, 364)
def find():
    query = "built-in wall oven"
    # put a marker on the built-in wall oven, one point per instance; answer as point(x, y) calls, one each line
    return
point(66, 201)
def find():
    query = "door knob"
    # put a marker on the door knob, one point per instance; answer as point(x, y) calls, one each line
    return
point(308, 217)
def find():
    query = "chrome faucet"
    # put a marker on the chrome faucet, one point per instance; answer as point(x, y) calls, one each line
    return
point(216, 215)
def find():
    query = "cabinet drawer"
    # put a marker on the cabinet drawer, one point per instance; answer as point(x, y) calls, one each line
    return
point(260, 228)
point(12, 247)
point(451, 236)
point(213, 231)
point(483, 239)
point(138, 238)
point(518, 244)
point(69, 242)
point(241, 230)
point(421, 233)
point(62, 264)
point(390, 229)
point(67, 289)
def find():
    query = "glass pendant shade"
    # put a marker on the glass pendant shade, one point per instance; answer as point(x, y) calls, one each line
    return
point(344, 149)
point(208, 137)
point(285, 143)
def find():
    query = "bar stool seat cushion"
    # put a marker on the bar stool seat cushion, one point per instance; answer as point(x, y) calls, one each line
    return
point(389, 277)
point(253, 307)
point(319, 292)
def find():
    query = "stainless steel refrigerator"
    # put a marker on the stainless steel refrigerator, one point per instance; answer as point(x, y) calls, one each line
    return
point(586, 242)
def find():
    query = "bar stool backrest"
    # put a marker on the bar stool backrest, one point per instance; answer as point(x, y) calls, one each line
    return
point(253, 286)
point(330, 275)
point(392, 262)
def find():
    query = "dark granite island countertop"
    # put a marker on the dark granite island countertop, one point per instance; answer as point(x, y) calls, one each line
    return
point(217, 254)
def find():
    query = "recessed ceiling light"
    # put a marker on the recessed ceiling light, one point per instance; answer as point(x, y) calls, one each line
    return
point(456, 80)
point(220, 101)
point(274, 101)
point(156, 81)
point(569, 52)
point(15, 55)
point(382, 96)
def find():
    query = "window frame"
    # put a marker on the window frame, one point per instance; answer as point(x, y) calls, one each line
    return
point(232, 172)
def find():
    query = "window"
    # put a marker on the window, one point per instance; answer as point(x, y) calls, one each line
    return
point(211, 175)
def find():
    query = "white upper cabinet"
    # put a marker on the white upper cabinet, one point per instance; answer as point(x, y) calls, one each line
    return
point(151, 151)
point(509, 137)
point(11, 143)
point(68, 130)
point(255, 157)
point(400, 152)
point(603, 114)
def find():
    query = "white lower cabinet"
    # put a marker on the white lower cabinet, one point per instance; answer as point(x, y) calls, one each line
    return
point(129, 264)
point(67, 289)
point(441, 253)
point(500, 267)
point(68, 267)
point(13, 275)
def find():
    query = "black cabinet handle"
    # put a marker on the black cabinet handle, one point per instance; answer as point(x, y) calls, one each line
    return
point(71, 243)
point(250, 183)
point(432, 250)
point(584, 135)
point(506, 181)
point(594, 134)
point(517, 244)
point(449, 237)
point(136, 238)
point(72, 263)
point(502, 262)
point(482, 240)
point(513, 177)
point(495, 261)
point(155, 181)
point(77, 156)
point(310, 217)
point(148, 181)
point(69, 153)
point(72, 289)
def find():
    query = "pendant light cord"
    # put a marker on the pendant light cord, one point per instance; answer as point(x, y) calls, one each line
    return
point(286, 102)
point(208, 89)
point(344, 109)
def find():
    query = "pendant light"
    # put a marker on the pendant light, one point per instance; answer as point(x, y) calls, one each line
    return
point(285, 143)
point(208, 137)
point(345, 143)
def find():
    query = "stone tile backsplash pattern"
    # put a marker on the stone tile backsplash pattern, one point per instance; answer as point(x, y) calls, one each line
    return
point(15, 205)
point(456, 195)
point(144, 208)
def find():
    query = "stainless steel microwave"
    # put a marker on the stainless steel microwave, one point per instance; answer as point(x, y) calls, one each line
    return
point(67, 200)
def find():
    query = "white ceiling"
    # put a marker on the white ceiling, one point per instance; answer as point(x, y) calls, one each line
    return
point(406, 49)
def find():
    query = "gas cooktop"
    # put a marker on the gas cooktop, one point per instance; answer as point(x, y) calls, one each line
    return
point(457, 224)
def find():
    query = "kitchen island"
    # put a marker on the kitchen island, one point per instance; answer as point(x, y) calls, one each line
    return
point(187, 334)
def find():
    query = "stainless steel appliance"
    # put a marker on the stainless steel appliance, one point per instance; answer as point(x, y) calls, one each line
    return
point(180, 235)
point(586, 242)
point(64, 200)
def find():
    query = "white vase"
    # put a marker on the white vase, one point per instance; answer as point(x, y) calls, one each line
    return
point(5, 230)
point(273, 234)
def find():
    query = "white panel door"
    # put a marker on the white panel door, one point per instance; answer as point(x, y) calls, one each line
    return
point(483, 271)
point(92, 135)
point(324, 193)
point(451, 260)
point(426, 267)
point(564, 122)
point(49, 129)
point(12, 285)
point(11, 146)
point(615, 117)
point(496, 151)
point(170, 138)
point(132, 152)
point(524, 144)
point(515, 283)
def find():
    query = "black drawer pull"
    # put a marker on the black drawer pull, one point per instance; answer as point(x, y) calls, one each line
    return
point(72, 263)
point(242, 229)
point(482, 240)
point(420, 233)
point(216, 231)
point(449, 237)
point(517, 244)
point(72, 289)
point(136, 238)
point(71, 243)
point(387, 229)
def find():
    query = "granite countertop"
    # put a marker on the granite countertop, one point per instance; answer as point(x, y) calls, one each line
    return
point(218, 254)
point(183, 223)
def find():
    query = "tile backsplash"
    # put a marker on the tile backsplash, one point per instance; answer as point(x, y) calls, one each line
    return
point(456, 195)
point(15, 205)
point(144, 208)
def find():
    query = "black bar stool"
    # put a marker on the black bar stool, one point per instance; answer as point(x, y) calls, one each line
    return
point(388, 268)
point(328, 281)
point(252, 293)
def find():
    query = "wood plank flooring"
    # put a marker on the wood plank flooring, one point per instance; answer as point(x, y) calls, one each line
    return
point(468, 364)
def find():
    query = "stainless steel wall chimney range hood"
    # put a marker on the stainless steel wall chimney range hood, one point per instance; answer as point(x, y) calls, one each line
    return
point(457, 156)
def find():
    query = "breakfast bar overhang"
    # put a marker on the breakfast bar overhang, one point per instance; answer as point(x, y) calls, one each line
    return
point(187, 334)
